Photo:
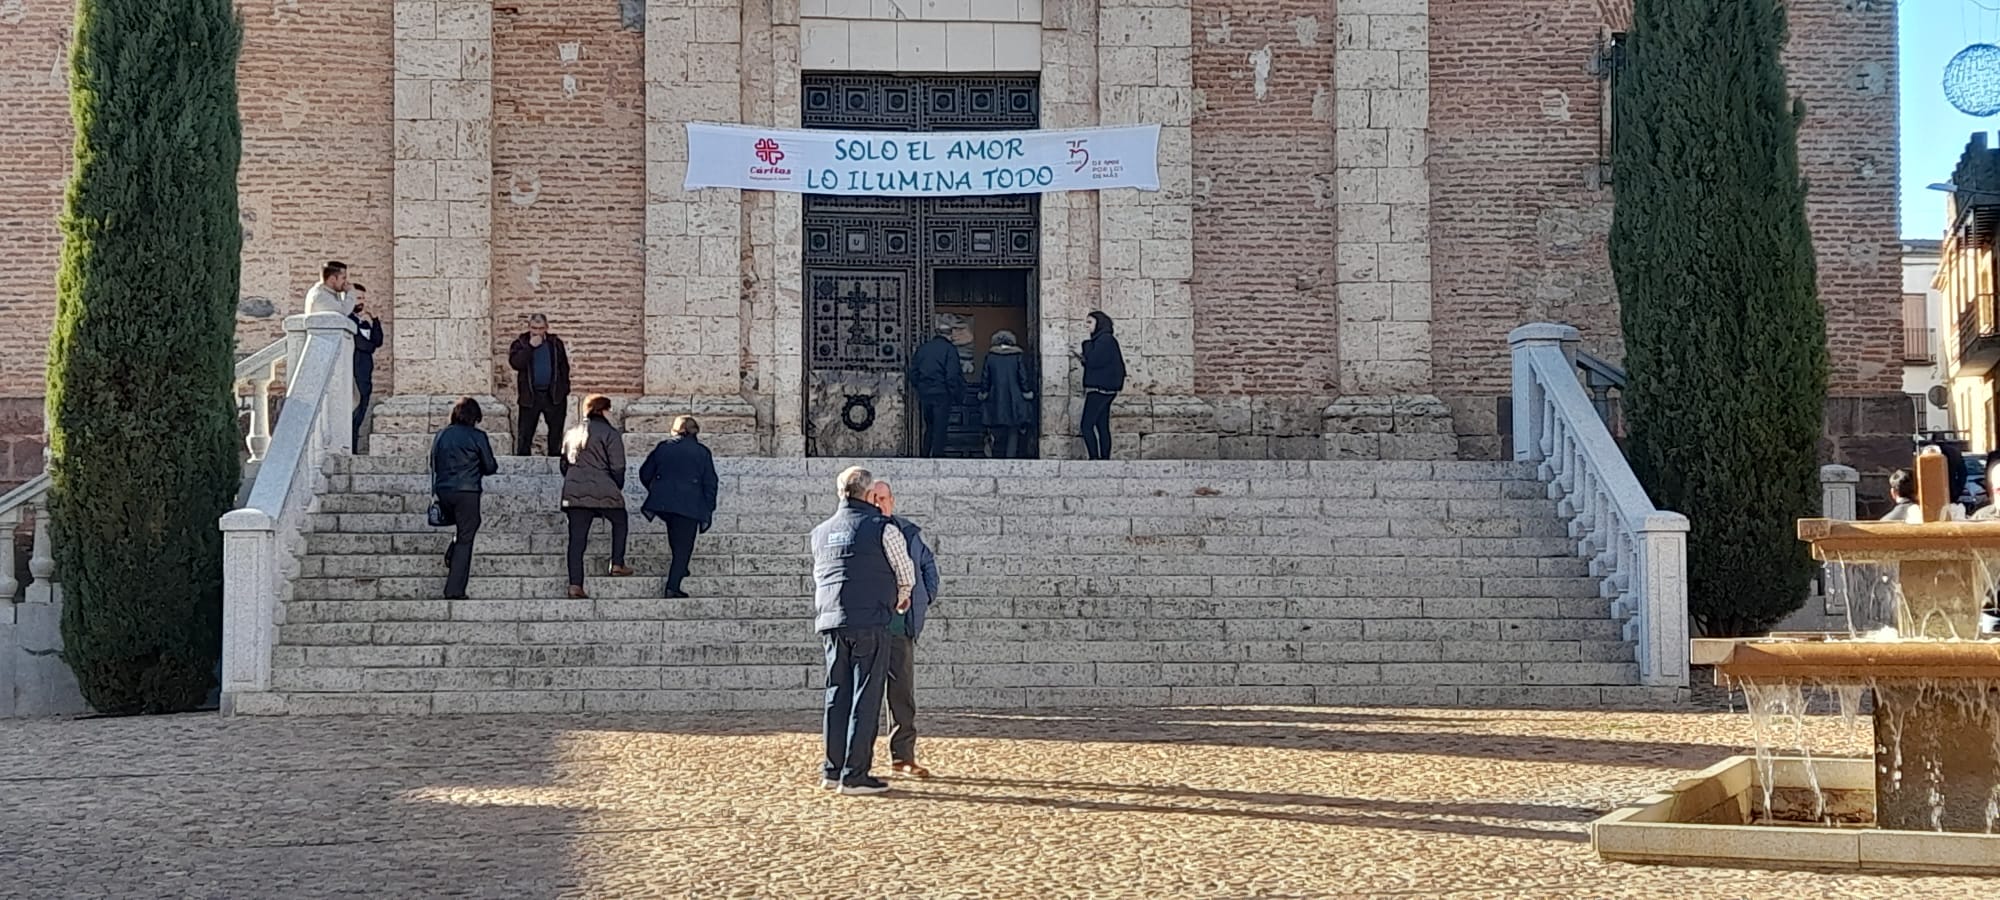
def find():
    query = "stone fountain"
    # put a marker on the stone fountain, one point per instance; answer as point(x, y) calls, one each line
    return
point(1929, 799)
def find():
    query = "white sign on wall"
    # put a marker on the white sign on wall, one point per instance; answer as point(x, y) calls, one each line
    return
point(922, 164)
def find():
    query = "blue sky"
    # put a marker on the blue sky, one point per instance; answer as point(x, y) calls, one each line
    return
point(1934, 133)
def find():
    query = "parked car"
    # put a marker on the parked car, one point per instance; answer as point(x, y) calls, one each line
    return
point(1975, 483)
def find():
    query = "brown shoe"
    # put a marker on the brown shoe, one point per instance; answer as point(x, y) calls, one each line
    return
point(911, 769)
point(576, 592)
point(621, 571)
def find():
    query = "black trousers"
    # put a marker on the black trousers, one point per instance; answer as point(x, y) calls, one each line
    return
point(363, 389)
point(1010, 442)
point(856, 659)
point(462, 508)
point(549, 409)
point(937, 417)
point(1097, 424)
point(902, 698)
point(579, 536)
point(681, 532)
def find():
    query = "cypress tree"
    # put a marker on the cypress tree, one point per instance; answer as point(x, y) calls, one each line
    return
point(1724, 335)
point(141, 408)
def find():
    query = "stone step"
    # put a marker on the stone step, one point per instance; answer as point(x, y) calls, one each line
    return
point(1177, 659)
point(1371, 472)
point(551, 581)
point(1410, 536)
point(1510, 696)
point(795, 630)
point(938, 675)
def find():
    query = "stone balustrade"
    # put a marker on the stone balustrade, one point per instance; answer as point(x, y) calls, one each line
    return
point(1638, 551)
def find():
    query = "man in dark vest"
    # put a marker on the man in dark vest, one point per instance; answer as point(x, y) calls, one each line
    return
point(862, 577)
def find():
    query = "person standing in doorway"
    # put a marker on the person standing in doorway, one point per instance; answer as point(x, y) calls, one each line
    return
point(1008, 395)
point(368, 336)
point(461, 458)
point(904, 628)
point(862, 576)
point(1103, 378)
point(541, 368)
point(330, 294)
point(593, 465)
point(680, 481)
point(939, 381)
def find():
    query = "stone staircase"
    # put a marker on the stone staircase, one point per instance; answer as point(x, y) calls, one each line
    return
point(1065, 584)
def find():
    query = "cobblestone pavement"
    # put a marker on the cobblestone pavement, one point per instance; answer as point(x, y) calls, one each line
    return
point(1153, 803)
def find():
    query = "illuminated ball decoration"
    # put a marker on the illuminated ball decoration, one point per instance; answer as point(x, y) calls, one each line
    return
point(1972, 80)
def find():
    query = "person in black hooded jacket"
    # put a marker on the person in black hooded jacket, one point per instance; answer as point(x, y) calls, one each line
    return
point(1103, 378)
point(461, 458)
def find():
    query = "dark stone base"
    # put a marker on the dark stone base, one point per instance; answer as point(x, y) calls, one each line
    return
point(1936, 767)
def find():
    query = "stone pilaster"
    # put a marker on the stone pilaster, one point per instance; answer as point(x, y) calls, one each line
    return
point(1382, 248)
point(1146, 239)
point(695, 241)
point(442, 331)
point(1069, 282)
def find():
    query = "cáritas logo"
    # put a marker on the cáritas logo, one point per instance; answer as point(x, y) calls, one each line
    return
point(769, 154)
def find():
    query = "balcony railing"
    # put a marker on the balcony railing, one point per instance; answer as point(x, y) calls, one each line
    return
point(1917, 345)
point(1977, 349)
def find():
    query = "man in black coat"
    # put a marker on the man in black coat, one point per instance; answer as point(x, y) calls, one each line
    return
point(368, 336)
point(939, 381)
point(541, 370)
point(680, 481)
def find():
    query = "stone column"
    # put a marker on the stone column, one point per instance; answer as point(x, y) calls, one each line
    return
point(441, 336)
point(1146, 239)
point(694, 240)
point(1383, 258)
point(1069, 287)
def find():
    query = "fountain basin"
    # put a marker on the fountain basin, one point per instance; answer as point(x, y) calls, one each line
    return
point(1706, 820)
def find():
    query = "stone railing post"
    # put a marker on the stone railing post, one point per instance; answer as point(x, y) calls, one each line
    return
point(42, 559)
point(1663, 617)
point(1837, 486)
point(249, 602)
point(1529, 407)
point(335, 429)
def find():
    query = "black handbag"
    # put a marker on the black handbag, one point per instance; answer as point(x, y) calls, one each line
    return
point(435, 516)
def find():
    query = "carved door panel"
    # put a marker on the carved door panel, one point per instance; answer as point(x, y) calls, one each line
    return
point(870, 261)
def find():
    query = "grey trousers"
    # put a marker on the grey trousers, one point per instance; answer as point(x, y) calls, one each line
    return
point(902, 699)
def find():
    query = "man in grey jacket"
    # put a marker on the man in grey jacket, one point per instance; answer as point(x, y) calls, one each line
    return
point(904, 628)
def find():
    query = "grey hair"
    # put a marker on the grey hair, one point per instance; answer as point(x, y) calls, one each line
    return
point(1003, 338)
point(538, 319)
point(853, 483)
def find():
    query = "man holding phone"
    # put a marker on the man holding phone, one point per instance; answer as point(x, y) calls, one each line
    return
point(541, 371)
point(330, 294)
point(368, 336)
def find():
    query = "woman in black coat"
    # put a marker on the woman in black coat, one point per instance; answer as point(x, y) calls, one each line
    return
point(680, 481)
point(1008, 396)
point(1103, 378)
point(461, 458)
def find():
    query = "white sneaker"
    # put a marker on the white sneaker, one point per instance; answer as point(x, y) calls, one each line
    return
point(831, 784)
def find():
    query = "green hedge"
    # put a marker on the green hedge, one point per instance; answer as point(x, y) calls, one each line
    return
point(1724, 335)
point(142, 419)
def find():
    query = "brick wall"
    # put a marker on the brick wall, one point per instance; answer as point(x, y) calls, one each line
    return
point(34, 62)
point(316, 180)
point(569, 177)
point(1263, 220)
point(1517, 232)
point(1519, 235)
point(314, 85)
point(1842, 62)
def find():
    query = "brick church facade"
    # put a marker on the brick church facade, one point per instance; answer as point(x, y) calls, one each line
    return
point(1359, 199)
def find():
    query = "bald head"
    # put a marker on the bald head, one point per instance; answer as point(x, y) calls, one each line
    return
point(882, 497)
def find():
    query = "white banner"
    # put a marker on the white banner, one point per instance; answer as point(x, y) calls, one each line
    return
point(922, 164)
